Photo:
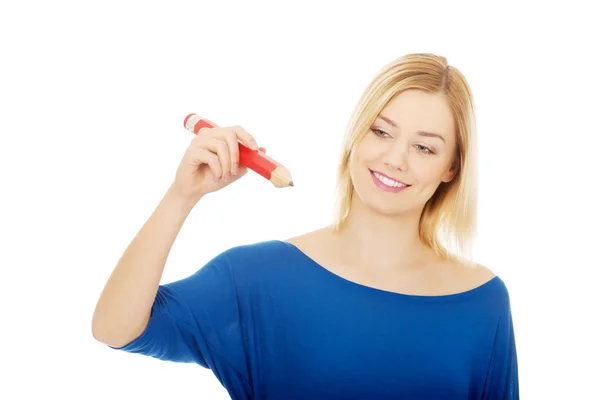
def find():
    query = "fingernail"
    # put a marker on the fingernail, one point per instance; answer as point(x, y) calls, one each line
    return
point(254, 145)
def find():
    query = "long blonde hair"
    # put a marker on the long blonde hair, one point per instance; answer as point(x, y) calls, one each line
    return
point(448, 221)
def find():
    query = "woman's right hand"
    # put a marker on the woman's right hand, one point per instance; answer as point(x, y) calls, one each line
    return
point(211, 161)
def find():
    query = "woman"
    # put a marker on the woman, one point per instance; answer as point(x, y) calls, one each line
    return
point(374, 306)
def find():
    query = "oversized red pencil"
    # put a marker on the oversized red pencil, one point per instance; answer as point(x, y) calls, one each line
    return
point(256, 160)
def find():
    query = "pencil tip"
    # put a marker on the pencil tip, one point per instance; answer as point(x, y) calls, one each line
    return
point(291, 183)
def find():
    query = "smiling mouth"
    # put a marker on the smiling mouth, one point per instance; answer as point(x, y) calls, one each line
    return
point(387, 183)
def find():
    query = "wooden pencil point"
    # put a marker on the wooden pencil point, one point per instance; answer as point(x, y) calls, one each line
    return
point(281, 177)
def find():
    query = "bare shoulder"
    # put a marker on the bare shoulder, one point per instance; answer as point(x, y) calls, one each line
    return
point(311, 239)
point(438, 276)
point(316, 245)
point(474, 274)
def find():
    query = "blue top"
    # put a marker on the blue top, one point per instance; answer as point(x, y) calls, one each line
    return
point(271, 323)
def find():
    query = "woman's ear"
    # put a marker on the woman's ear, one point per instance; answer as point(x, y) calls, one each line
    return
point(451, 173)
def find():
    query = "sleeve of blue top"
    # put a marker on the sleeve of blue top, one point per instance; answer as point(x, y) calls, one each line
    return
point(196, 320)
point(502, 381)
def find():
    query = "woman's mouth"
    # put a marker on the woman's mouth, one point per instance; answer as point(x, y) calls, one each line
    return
point(386, 183)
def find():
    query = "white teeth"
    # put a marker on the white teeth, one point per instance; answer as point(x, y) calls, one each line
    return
point(388, 181)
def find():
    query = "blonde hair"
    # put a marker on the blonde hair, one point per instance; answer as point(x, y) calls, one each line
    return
point(449, 218)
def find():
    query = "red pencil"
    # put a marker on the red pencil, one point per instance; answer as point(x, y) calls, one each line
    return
point(256, 160)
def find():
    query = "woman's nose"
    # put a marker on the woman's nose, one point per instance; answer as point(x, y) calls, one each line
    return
point(397, 157)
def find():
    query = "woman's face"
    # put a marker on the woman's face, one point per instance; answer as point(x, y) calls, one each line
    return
point(408, 151)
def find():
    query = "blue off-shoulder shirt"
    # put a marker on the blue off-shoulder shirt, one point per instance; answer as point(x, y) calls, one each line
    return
point(271, 323)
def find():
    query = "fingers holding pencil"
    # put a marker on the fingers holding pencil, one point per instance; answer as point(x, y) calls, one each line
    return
point(211, 162)
point(248, 153)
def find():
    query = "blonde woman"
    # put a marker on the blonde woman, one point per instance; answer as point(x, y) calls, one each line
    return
point(383, 304)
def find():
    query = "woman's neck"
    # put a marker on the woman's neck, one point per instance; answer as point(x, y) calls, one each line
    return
point(382, 241)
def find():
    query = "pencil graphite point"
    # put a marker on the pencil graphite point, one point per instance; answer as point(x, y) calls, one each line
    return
point(291, 183)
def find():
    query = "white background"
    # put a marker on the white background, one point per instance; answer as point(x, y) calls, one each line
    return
point(93, 97)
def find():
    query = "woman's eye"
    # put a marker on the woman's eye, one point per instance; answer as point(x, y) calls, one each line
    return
point(380, 133)
point(425, 150)
point(420, 147)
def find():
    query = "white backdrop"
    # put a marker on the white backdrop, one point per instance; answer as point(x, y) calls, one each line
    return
point(93, 98)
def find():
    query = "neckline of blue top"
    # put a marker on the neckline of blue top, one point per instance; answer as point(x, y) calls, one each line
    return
point(481, 289)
